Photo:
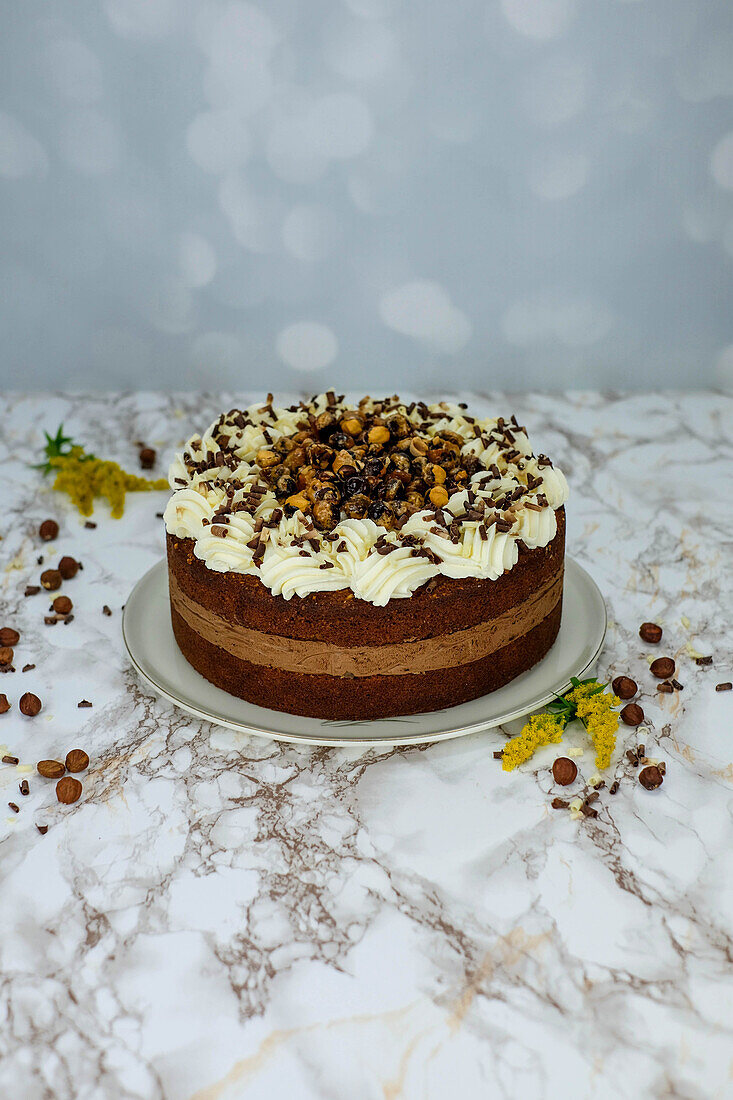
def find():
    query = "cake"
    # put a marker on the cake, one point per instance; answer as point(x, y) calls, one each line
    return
point(355, 561)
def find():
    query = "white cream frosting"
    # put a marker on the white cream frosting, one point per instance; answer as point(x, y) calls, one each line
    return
point(295, 568)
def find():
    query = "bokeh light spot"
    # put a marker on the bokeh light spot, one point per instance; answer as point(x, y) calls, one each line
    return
point(423, 310)
point(307, 346)
point(20, 154)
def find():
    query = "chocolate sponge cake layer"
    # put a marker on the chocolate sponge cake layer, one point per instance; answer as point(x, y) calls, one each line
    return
point(451, 641)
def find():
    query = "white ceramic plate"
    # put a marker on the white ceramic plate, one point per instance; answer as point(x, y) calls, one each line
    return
point(148, 635)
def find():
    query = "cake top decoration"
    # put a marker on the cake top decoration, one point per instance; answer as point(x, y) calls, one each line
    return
point(379, 496)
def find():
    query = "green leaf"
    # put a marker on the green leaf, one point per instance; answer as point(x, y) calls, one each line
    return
point(56, 447)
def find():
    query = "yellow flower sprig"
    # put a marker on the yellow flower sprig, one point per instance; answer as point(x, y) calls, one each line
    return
point(587, 701)
point(84, 476)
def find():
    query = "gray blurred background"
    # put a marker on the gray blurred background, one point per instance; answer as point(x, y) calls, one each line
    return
point(430, 194)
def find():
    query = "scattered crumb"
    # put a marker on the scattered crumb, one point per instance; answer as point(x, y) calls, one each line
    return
point(685, 621)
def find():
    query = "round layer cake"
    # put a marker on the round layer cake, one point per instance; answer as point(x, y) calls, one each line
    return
point(351, 561)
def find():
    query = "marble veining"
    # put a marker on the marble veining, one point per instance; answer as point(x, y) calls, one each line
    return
point(221, 917)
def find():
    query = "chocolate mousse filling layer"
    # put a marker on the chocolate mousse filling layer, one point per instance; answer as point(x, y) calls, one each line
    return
point(295, 655)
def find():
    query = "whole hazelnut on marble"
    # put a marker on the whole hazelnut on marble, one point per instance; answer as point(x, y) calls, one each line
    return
point(77, 760)
point(48, 530)
point(650, 632)
point(564, 771)
point(68, 790)
point(30, 704)
point(624, 687)
point(68, 567)
point(662, 668)
point(651, 777)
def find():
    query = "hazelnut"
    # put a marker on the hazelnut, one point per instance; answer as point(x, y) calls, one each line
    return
point(68, 790)
point(340, 441)
point(8, 636)
point(374, 468)
point(343, 464)
point(381, 513)
point(285, 485)
point(651, 777)
point(51, 579)
point(650, 632)
point(322, 490)
point(662, 668)
point(402, 511)
point(632, 714)
point(355, 485)
point(399, 426)
point(624, 687)
point(378, 434)
point(266, 459)
point(402, 467)
point(48, 530)
point(325, 423)
point(30, 704)
point(438, 496)
point(325, 514)
point(351, 425)
point(147, 458)
point(4, 704)
point(393, 488)
point(356, 507)
point(418, 447)
point(6, 655)
point(306, 475)
point(453, 438)
point(50, 769)
point(434, 475)
point(295, 458)
point(77, 760)
point(320, 456)
point(298, 502)
point(62, 605)
point(68, 568)
point(564, 771)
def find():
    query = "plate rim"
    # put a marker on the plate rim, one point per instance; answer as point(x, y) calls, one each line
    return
point(323, 741)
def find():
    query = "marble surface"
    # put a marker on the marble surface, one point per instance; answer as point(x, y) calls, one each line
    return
point(221, 917)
